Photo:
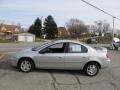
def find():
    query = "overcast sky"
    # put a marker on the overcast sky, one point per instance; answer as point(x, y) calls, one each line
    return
point(26, 11)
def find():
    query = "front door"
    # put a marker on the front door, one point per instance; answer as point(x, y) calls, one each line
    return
point(52, 56)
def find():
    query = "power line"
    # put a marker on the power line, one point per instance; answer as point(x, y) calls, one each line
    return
point(117, 18)
point(105, 13)
point(100, 9)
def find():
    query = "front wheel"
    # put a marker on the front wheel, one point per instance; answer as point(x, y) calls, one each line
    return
point(26, 65)
point(91, 69)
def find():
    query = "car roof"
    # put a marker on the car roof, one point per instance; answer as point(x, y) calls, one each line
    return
point(73, 41)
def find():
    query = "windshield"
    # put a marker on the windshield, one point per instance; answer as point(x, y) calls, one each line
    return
point(40, 46)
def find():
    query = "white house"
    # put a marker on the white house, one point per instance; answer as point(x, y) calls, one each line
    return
point(25, 37)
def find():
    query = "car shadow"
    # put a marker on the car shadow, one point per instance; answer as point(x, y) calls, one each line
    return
point(61, 71)
point(6, 65)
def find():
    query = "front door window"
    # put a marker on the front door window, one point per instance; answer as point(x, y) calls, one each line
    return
point(55, 48)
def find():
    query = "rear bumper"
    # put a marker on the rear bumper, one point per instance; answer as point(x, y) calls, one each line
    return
point(106, 64)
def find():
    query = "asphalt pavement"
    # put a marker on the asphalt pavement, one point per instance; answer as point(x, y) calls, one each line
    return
point(12, 79)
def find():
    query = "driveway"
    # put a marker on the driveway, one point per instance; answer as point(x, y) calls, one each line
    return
point(12, 79)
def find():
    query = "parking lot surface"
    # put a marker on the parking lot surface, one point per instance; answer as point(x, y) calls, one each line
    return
point(12, 79)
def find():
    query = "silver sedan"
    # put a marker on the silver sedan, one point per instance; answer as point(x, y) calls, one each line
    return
point(62, 54)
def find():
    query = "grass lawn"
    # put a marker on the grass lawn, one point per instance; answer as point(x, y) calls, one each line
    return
point(5, 41)
point(11, 41)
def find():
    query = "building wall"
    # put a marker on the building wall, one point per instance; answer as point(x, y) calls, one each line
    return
point(25, 37)
point(62, 32)
point(8, 31)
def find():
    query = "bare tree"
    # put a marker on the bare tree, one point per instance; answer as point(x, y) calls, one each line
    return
point(92, 29)
point(102, 27)
point(76, 27)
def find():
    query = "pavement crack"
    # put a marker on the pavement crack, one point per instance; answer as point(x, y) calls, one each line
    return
point(114, 85)
point(53, 80)
point(64, 84)
point(78, 80)
point(76, 77)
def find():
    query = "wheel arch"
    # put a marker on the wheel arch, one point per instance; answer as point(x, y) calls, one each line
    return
point(92, 62)
point(26, 58)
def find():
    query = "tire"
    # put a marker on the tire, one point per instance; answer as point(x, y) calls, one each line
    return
point(115, 47)
point(26, 65)
point(89, 41)
point(91, 69)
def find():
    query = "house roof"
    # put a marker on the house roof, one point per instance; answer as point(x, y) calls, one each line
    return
point(10, 27)
point(62, 29)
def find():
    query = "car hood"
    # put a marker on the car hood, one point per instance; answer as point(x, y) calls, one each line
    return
point(24, 52)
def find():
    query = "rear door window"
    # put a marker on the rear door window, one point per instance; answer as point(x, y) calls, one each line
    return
point(77, 48)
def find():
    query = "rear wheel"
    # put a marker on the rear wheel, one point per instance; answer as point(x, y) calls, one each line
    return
point(26, 65)
point(91, 69)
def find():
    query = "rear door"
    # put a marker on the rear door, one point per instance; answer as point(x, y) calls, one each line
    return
point(76, 56)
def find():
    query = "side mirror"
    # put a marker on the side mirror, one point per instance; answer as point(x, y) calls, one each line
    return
point(42, 52)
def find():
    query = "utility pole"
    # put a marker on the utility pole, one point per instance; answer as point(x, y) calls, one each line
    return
point(113, 26)
point(41, 27)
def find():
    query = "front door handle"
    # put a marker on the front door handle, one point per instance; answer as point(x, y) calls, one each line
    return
point(59, 57)
point(84, 57)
